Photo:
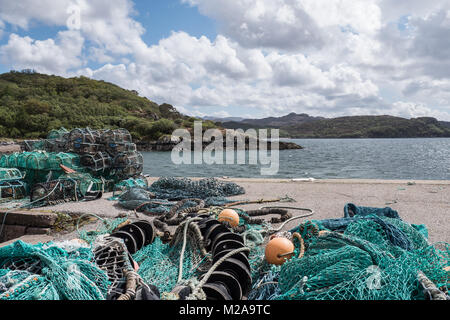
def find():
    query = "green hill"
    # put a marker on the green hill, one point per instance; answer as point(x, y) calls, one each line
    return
point(304, 126)
point(32, 104)
point(370, 127)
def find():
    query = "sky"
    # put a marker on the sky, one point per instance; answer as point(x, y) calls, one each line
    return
point(247, 58)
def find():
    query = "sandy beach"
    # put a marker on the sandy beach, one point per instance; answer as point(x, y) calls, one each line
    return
point(418, 202)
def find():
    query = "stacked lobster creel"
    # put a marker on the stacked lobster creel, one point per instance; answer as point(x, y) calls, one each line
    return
point(98, 162)
point(109, 153)
point(113, 255)
point(231, 280)
point(84, 141)
point(56, 140)
point(126, 161)
point(128, 164)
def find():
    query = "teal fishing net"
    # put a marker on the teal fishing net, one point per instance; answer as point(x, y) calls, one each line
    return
point(369, 255)
point(166, 265)
point(165, 192)
point(182, 188)
point(50, 272)
point(106, 226)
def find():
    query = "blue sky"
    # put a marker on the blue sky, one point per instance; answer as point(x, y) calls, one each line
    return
point(249, 58)
point(159, 18)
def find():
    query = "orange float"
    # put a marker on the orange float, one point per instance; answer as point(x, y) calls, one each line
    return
point(230, 216)
point(278, 250)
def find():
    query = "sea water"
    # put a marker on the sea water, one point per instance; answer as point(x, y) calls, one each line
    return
point(425, 159)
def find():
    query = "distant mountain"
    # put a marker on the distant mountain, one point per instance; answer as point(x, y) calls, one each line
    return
point(270, 122)
point(370, 127)
point(304, 126)
point(276, 122)
point(226, 119)
point(445, 123)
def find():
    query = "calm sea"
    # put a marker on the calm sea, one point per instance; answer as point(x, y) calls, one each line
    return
point(427, 159)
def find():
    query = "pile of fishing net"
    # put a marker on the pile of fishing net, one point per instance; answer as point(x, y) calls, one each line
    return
point(163, 194)
point(181, 188)
point(65, 271)
point(370, 254)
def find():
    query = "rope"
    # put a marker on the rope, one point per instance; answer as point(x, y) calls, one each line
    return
point(430, 287)
point(302, 244)
point(131, 285)
point(183, 248)
point(284, 199)
point(291, 219)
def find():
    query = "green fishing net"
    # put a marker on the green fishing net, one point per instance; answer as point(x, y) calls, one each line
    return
point(182, 188)
point(50, 272)
point(107, 226)
point(368, 261)
point(166, 265)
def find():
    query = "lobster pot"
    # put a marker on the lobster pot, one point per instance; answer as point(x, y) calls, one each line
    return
point(97, 162)
point(70, 160)
point(58, 135)
point(55, 146)
point(84, 141)
point(85, 148)
point(128, 165)
point(37, 161)
point(114, 148)
point(33, 145)
point(21, 160)
point(10, 174)
point(12, 160)
point(13, 189)
point(116, 136)
point(85, 183)
point(53, 191)
point(132, 170)
point(38, 176)
point(4, 161)
point(123, 160)
point(68, 187)
point(84, 135)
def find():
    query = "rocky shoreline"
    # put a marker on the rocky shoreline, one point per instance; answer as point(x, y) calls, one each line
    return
point(168, 143)
point(165, 143)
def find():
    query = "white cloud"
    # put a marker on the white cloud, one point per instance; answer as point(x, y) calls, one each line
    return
point(23, 13)
point(106, 23)
point(414, 110)
point(263, 23)
point(324, 57)
point(47, 56)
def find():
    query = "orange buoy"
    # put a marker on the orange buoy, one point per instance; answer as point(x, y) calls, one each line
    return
point(230, 216)
point(278, 250)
